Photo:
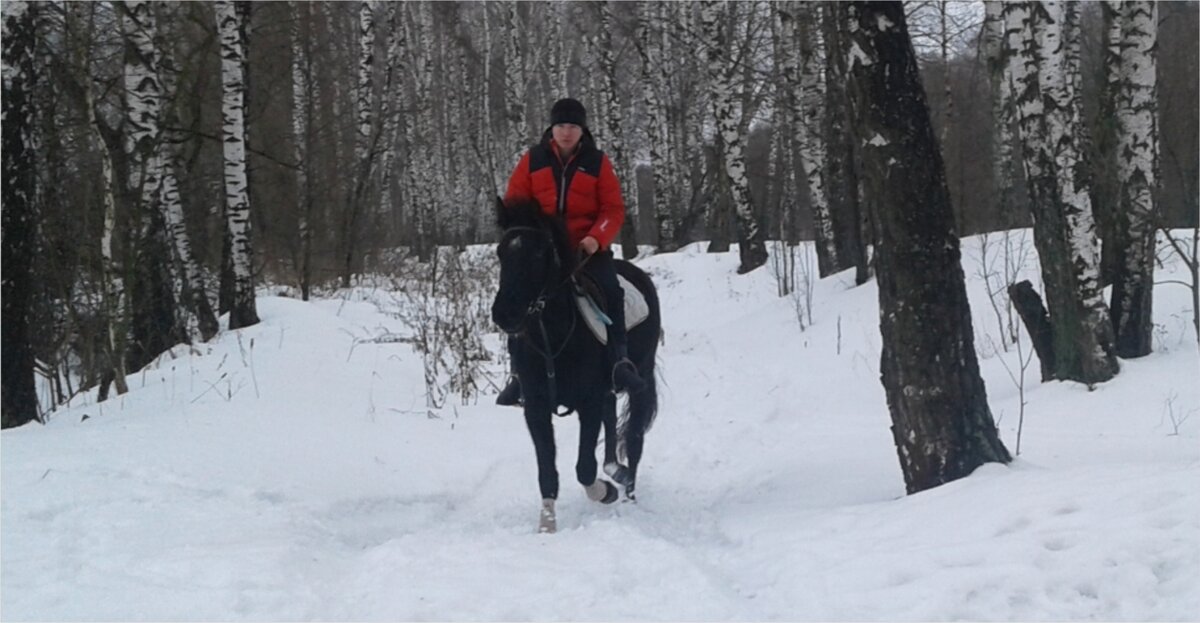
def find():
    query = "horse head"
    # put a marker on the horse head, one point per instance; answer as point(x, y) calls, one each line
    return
point(533, 263)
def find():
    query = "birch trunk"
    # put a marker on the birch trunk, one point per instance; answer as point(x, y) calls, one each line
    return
point(302, 137)
point(1003, 163)
point(193, 292)
point(393, 95)
point(807, 83)
point(155, 321)
point(230, 30)
point(846, 211)
point(941, 423)
point(363, 148)
point(19, 208)
point(113, 299)
point(751, 248)
point(515, 82)
point(647, 46)
point(1137, 154)
point(1064, 229)
point(614, 123)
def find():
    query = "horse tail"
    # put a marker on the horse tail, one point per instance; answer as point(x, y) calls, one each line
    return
point(635, 420)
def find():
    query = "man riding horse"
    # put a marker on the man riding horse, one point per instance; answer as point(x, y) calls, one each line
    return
point(574, 180)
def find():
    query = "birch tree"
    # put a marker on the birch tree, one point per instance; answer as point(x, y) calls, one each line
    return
point(1003, 163)
point(302, 137)
point(230, 31)
point(804, 77)
point(194, 295)
point(515, 84)
point(1064, 229)
point(751, 249)
point(941, 422)
point(1137, 160)
point(614, 122)
point(364, 149)
point(19, 210)
point(847, 214)
point(649, 52)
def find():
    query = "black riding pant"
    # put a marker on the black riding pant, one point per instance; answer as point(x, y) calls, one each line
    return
point(602, 268)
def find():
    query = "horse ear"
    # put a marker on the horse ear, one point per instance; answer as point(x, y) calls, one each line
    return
point(502, 213)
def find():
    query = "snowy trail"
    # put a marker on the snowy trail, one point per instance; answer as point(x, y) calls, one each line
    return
point(288, 473)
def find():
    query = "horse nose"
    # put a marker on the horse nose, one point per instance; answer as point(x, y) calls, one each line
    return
point(504, 319)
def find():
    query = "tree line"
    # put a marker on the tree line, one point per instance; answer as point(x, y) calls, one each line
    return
point(160, 159)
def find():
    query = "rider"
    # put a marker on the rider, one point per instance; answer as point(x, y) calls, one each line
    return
point(570, 177)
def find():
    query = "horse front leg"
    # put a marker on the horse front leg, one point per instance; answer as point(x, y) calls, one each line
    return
point(541, 430)
point(585, 468)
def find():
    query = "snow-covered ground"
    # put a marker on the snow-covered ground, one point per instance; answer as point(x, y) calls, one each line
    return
point(289, 471)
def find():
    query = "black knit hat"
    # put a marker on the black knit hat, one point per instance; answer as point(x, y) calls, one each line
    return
point(568, 110)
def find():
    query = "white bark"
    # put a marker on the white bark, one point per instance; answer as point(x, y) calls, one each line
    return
point(515, 82)
point(193, 291)
point(1137, 161)
point(1003, 171)
point(143, 100)
point(113, 296)
point(392, 93)
point(366, 83)
point(302, 115)
point(807, 79)
point(726, 92)
point(1058, 76)
point(651, 67)
point(233, 130)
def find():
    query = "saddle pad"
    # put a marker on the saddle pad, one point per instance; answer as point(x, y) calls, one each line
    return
point(636, 310)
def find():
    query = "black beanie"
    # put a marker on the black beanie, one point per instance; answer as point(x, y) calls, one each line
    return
point(568, 110)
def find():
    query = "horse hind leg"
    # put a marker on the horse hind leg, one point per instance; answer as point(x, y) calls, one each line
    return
point(598, 490)
point(643, 407)
point(612, 442)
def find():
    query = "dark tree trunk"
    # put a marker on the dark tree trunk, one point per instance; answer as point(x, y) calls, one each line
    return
point(845, 209)
point(19, 209)
point(941, 422)
point(1037, 322)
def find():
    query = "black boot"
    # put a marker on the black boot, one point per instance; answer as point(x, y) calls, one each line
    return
point(510, 396)
point(624, 373)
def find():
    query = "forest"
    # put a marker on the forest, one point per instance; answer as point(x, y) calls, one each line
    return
point(163, 160)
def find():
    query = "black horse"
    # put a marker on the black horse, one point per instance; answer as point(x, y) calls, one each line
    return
point(560, 362)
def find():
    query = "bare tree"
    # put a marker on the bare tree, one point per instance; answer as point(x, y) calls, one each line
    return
point(1044, 78)
point(19, 209)
point(726, 91)
point(364, 148)
point(230, 28)
point(941, 422)
point(1137, 155)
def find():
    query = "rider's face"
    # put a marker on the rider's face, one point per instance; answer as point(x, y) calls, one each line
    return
point(567, 135)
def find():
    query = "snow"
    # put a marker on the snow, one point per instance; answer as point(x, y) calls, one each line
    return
point(289, 471)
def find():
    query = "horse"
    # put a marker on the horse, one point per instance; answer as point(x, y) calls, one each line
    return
point(558, 361)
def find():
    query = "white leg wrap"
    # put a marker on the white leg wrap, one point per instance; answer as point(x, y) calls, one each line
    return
point(596, 491)
point(546, 520)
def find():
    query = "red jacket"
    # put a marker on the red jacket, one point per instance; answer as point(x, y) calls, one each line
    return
point(585, 185)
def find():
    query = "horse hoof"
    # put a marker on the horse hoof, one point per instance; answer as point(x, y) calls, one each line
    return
point(618, 472)
point(629, 494)
point(611, 494)
point(547, 523)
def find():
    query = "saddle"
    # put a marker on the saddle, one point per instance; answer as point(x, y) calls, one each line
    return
point(593, 305)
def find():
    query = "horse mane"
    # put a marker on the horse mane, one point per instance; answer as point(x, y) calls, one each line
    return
point(528, 213)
